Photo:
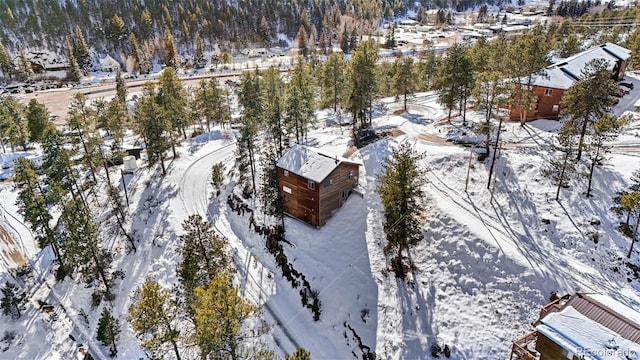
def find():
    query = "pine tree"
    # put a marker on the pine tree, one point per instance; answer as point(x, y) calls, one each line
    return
point(169, 47)
point(217, 177)
point(172, 99)
point(400, 192)
point(270, 197)
point(74, 73)
point(404, 79)
point(273, 98)
point(81, 119)
point(333, 77)
point(24, 66)
point(589, 98)
point(527, 57)
point(33, 202)
point(153, 316)
point(301, 40)
point(83, 247)
point(6, 64)
point(198, 58)
point(115, 31)
point(563, 168)
point(299, 101)
point(452, 80)
point(203, 255)
point(13, 124)
point(209, 103)
point(299, 354)
point(250, 98)
point(361, 83)
point(630, 203)
point(37, 120)
point(108, 331)
point(219, 314)
point(121, 88)
point(605, 130)
point(13, 300)
point(80, 50)
point(153, 126)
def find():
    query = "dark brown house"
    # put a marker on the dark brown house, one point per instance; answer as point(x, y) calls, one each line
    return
point(314, 185)
point(558, 78)
point(582, 326)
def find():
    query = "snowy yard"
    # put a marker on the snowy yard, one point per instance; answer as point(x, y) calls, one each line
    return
point(487, 264)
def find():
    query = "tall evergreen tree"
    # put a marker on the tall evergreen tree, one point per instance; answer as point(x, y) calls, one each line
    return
point(83, 247)
point(250, 98)
point(404, 79)
point(13, 300)
point(153, 126)
point(563, 168)
point(452, 77)
point(32, 200)
point(332, 80)
point(400, 192)
point(37, 120)
point(6, 64)
point(219, 315)
point(13, 124)
point(589, 98)
point(203, 255)
point(108, 331)
point(172, 98)
point(273, 97)
point(153, 316)
point(527, 57)
point(361, 83)
point(300, 101)
point(81, 118)
point(121, 88)
point(81, 50)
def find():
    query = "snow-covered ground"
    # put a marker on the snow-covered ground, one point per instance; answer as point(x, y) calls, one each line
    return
point(486, 265)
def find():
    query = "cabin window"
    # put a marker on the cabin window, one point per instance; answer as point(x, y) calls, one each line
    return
point(328, 183)
point(286, 189)
point(567, 354)
point(286, 173)
point(345, 193)
point(311, 185)
point(555, 108)
point(548, 92)
point(350, 174)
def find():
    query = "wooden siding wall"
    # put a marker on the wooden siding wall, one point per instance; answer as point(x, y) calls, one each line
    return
point(544, 107)
point(331, 197)
point(316, 206)
point(303, 202)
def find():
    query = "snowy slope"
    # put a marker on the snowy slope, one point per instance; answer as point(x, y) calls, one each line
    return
point(485, 267)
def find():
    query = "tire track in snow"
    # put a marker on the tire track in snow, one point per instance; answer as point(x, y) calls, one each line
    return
point(193, 194)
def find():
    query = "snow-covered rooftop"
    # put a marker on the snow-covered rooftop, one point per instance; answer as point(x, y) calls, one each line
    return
point(310, 163)
point(582, 336)
point(564, 73)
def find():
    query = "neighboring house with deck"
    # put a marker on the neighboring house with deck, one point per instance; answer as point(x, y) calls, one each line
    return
point(582, 326)
point(550, 85)
point(313, 184)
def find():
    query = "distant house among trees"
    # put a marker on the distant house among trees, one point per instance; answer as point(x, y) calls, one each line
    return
point(581, 326)
point(550, 85)
point(314, 185)
point(109, 64)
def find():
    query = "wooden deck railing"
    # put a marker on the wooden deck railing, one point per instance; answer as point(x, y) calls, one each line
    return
point(518, 350)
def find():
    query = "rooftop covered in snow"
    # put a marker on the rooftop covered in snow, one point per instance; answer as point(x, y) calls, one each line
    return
point(310, 163)
point(582, 336)
point(564, 73)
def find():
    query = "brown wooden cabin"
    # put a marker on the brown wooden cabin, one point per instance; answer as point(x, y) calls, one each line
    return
point(314, 185)
point(581, 326)
point(549, 87)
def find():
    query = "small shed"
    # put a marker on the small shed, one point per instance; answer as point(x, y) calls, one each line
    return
point(315, 184)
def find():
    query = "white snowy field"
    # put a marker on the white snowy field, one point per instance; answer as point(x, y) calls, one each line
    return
point(483, 271)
